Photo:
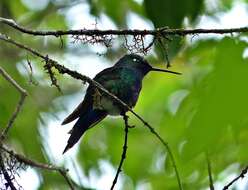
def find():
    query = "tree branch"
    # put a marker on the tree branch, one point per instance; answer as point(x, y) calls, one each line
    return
point(210, 177)
point(74, 74)
point(241, 175)
point(39, 165)
point(21, 158)
point(8, 179)
point(159, 31)
point(19, 105)
point(123, 156)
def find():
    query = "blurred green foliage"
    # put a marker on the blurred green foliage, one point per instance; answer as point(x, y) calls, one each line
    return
point(202, 112)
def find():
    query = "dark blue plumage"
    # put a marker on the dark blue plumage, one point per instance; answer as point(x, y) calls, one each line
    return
point(124, 80)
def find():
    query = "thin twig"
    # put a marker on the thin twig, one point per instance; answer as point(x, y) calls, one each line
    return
point(53, 79)
point(33, 163)
point(19, 104)
point(8, 179)
point(211, 183)
point(31, 81)
point(148, 47)
point(241, 175)
point(76, 170)
point(61, 69)
point(155, 32)
point(123, 156)
point(164, 51)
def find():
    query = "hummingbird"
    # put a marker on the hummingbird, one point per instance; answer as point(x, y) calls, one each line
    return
point(124, 80)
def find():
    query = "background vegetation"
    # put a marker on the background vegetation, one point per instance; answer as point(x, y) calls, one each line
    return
point(204, 112)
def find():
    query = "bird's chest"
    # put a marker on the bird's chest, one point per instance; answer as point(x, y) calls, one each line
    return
point(105, 102)
point(110, 106)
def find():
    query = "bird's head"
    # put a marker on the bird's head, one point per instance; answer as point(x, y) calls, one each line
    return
point(137, 62)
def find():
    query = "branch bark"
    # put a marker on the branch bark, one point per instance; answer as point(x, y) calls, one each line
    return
point(159, 31)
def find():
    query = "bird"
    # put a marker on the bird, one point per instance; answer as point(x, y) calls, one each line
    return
point(123, 80)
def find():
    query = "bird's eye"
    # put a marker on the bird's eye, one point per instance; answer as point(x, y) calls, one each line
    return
point(134, 60)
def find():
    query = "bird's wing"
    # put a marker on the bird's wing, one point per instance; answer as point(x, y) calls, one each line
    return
point(80, 109)
point(89, 119)
point(87, 103)
point(109, 74)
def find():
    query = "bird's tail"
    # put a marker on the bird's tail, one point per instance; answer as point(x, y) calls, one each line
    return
point(84, 122)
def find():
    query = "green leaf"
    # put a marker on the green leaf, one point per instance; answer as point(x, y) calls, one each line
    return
point(216, 109)
point(167, 13)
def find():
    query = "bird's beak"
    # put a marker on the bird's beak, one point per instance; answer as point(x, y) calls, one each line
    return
point(166, 71)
